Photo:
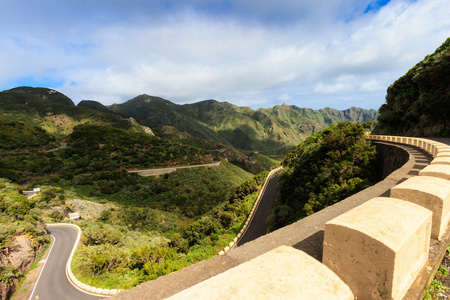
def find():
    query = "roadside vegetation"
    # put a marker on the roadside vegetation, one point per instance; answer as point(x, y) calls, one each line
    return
point(325, 168)
point(167, 224)
point(20, 219)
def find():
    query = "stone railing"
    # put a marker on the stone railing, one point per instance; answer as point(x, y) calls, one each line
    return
point(376, 250)
point(252, 213)
point(69, 273)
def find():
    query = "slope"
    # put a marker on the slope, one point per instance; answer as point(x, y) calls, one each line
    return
point(267, 130)
point(418, 103)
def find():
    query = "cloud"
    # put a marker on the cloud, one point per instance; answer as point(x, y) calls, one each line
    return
point(372, 86)
point(306, 53)
point(343, 84)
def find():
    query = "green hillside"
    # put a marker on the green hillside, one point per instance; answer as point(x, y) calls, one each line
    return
point(268, 130)
point(325, 168)
point(52, 111)
point(418, 103)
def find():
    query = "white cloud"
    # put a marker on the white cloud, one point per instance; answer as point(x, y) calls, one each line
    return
point(343, 84)
point(251, 52)
point(372, 86)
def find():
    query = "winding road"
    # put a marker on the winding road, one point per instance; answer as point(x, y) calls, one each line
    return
point(53, 283)
point(257, 226)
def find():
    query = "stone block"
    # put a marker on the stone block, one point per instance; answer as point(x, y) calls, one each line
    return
point(445, 153)
point(430, 192)
point(113, 292)
point(441, 161)
point(282, 273)
point(379, 247)
point(440, 171)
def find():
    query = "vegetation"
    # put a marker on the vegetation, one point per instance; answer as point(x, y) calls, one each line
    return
point(19, 216)
point(418, 103)
point(142, 243)
point(137, 228)
point(17, 136)
point(269, 131)
point(436, 289)
point(324, 169)
point(93, 148)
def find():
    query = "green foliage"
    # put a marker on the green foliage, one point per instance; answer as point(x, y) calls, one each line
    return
point(32, 108)
point(418, 103)
point(270, 131)
point(18, 217)
point(434, 290)
point(95, 148)
point(109, 256)
point(15, 136)
point(324, 169)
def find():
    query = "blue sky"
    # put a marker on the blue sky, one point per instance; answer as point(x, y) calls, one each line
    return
point(308, 53)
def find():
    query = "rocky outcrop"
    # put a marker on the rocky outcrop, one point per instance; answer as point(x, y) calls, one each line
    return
point(16, 260)
point(88, 210)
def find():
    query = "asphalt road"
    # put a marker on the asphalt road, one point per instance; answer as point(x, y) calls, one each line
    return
point(53, 283)
point(257, 226)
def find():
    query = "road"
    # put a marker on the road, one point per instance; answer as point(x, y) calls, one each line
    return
point(257, 226)
point(53, 283)
point(155, 172)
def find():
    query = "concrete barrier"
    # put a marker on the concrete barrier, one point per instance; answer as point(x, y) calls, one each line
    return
point(283, 273)
point(442, 160)
point(432, 193)
point(445, 153)
point(434, 148)
point(436, 170)
point(379, 247)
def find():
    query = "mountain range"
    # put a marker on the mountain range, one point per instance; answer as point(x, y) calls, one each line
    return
point(267, 130)
point(208, 123)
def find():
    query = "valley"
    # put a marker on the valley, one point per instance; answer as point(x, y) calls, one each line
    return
point(139, 227)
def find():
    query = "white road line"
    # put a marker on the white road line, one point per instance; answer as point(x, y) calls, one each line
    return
point(37, 281)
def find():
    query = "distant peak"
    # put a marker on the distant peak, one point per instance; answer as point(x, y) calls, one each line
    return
point(46, 94)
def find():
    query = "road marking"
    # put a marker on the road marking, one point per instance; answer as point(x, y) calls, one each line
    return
point(42, 270)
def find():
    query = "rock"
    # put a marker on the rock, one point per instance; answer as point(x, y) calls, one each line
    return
point(88, 210)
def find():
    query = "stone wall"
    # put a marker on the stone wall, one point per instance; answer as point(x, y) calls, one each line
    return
point(389, 159)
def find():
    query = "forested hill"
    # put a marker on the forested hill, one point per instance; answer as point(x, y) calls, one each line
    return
point(324, 169)
point(418, 103)
point(268, 130)
point(53, 112)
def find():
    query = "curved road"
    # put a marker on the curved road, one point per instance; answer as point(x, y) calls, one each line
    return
point(53, 283)
point(257, 225)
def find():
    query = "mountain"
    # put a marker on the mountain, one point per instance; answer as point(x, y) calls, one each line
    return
point(52, 111)
point(268, 130)
point(45, 94)
point(95, 105)
point(418, 103)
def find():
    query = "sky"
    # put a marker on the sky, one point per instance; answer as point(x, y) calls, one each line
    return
point(257, 53)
